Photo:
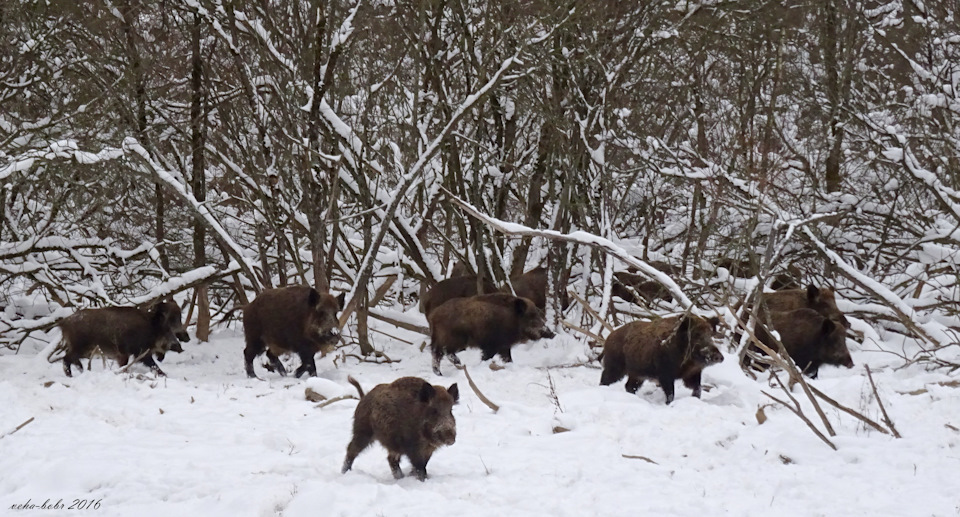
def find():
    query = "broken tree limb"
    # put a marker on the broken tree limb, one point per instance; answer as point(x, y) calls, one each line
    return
point(476, 390)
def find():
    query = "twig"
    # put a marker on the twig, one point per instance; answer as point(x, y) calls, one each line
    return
point(19, 427)
point(644, 458)
point(391, 336)
point(476, 390)
point(848, 411)
point(583, 331)
point(883, 411)
point(327, 402)
point(589, 309)
point(802, 417)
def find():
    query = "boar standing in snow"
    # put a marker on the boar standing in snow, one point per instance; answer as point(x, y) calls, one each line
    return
point(295, 319)
point(679, 347)
point(408, 417)
point(809, 338)
point(122, 332)
point(491, 322)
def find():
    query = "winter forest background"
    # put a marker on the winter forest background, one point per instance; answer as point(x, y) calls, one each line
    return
point(219, 148)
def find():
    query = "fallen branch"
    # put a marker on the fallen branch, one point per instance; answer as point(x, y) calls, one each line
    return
point(327, 402)
point(883, 411)
point(19, 427)
point(644, 458)
point(585, 332)
point(476, 390)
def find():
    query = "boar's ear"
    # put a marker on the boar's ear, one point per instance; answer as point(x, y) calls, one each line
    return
point(454, 392)
point(159, 313)
point(828, 326)
point(313, 298)
point(813, 294)
point(684, 324)
point(520, 306)
point(340, 299)
point(427, 391)
point(714, 321)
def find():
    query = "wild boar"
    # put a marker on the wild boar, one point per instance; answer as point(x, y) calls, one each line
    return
point(122, 332)
point(533, 286)
point(491, 322)
point(664, 350)
point(455, 287)
point(296, 319)
point(809, 338)
point(409, 417)
point(822, 300)
point(636, 288)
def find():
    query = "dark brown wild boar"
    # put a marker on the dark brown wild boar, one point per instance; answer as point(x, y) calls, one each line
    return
point(122, 332)
point(822, 300)
point(679, 347)
point(409, 417)
point(636, 288)
point(491, 322)
point(456, 287)
point(296, 319)
point(533, 286)
point(809, 338)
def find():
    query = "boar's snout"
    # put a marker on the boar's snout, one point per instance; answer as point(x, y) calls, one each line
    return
point(547, 333)
point(445, 433)
point(847, 361)
point(709, 355)
point(175, 346)
point(182, 336)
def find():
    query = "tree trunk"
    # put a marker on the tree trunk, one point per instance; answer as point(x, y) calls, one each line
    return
point(198, 180)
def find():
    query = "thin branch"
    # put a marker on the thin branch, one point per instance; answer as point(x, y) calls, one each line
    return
point(476, 390)
point(883, 411)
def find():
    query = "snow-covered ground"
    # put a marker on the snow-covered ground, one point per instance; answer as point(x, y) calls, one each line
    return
point(208, 441)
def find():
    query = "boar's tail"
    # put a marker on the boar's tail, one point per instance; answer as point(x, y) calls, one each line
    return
point(356, 384)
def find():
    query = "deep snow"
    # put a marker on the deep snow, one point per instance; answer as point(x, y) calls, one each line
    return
point(208, 441)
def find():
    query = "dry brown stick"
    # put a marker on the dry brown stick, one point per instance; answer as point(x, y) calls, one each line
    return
point(398, 323)
point(391, 336)
point(804, 418)
point(644, 458)
point(583, 331)
point(883, 411)
point(335, 399)
point(476, 390)
point(590, 310)
point(860, 416)
point(19, 427)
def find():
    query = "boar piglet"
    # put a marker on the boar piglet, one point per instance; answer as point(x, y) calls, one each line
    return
point(295, 319)
point(409, 417)
point(491, 322)
point(122, 332)
point(809, 338)
point(679, 347)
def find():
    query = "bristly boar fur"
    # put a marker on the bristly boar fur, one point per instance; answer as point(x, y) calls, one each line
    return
point(637, 289)
point(491, 322)
point(297, 319)
point(455, 287)
point(409, 417)
point(533, 286)
point(122, 332)
point(809, 338)
point(679, 347)
point(823, 300)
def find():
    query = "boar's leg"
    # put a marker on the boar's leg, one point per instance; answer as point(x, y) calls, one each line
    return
point(252, 350)
point(362, 436)
point(667, 384)
point(419, 464)
point(69, 360)
point(505, 355)
point(276, 364)
point(307, 365)
point(148, 360)
point(394, 460)
point(812, 370)
point(693, 382)
point(633, 383)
